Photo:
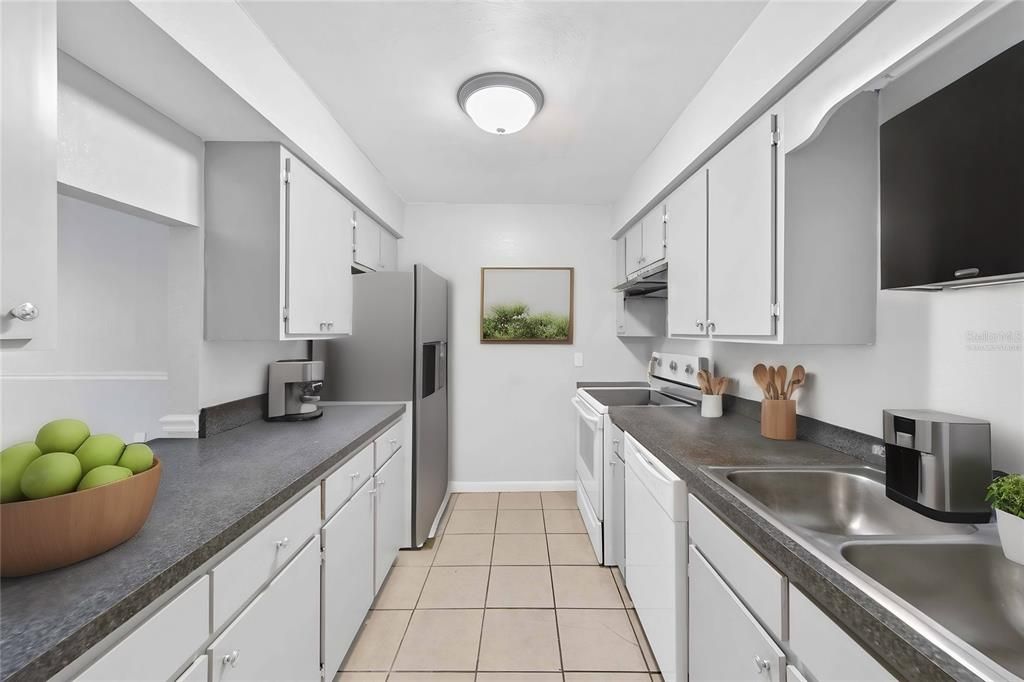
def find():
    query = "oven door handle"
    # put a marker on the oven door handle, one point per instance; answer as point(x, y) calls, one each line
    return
point(585, 413)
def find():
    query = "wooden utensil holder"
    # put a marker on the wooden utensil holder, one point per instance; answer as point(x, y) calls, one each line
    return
point(778, 419)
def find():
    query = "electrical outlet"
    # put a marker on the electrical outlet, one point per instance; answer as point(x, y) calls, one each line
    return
point(577, 359)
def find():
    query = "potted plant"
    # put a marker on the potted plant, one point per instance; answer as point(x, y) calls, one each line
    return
point(1007, 497)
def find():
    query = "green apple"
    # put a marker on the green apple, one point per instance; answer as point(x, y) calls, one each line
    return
point(102, 475)
point(63, 435)
point(13, 461)
point(54, 473)
point(104, 448)
point(137, 457)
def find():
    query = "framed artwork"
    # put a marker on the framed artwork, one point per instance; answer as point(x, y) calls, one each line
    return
point(526, 305)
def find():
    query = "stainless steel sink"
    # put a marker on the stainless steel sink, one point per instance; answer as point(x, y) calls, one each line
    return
point(848, 501)
point(970, 589)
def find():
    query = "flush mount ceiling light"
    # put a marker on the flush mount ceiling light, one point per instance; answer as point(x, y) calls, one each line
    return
point(500, 103)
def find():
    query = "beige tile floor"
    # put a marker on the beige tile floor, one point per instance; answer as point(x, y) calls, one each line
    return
point(509, 591)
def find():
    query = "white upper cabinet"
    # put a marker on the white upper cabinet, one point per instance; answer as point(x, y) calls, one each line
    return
point(317, 237)
point(653, 237)
point(373, 247)
point(366, 242)
point(687, 226)
point(278, 260)
point(634, 249)
point(783, 247)
point(741, 234)
point(28, 136)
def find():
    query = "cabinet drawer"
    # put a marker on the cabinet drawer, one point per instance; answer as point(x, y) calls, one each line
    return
point(752, 578)
point(239, 576)
point(277, 637)
point(824, 649)
point(350, 477)
point(390, 442)
point(162, 644)
point(199, 671)
point(726, 641)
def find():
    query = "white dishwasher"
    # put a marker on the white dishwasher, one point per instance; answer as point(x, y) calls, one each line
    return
point(656, 548)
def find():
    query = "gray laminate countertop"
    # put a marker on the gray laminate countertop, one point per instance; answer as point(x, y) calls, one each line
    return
point(612, 384)
point(685, 442)
point(211, 491)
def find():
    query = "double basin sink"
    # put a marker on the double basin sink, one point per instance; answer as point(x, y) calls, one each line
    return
point(954, 575)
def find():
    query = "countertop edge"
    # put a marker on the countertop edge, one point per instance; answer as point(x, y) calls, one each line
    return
point(92, 633)
point(880, 630)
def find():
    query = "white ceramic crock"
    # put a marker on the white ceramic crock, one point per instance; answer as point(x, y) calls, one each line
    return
point(711, 406)
point(1011, 535)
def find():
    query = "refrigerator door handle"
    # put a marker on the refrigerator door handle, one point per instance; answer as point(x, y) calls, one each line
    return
point(442, 365)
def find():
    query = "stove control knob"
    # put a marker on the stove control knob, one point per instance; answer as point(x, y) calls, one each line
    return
point(689, 370)
point(673, 365)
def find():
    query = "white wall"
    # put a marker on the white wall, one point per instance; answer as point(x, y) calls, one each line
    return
point(109, 366)
point(113, 146)
point(511, 417)
point(773, 52)
point(228, 43)
point(955, 351)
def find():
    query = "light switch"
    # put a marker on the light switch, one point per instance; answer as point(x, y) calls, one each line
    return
point(577, 359)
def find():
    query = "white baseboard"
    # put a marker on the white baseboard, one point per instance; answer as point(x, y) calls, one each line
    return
point(510, 486)
point(180, 425)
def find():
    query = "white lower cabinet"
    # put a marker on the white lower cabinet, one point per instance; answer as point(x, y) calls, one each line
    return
point(160, 646)
point(348, 576)
point(199, 671)
point(277, 637)
point(825, 651)
point(727, 644)
point(390, 518)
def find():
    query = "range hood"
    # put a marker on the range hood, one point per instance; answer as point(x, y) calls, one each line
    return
point(652, 283)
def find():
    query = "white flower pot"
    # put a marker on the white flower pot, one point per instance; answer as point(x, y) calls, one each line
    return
point(1011, 535)
point(711, 406)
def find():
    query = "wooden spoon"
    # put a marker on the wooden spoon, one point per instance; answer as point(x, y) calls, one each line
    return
point(780, 381)
point(761, 377)
point(797, 380)
point(771, 383)
point(704, 381)
point(721, 384)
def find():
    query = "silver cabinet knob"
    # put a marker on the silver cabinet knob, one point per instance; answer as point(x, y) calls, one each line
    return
point(26, 312)
point(231, 659)
point(699, 324)
point(282, 543)
point(762, 665)
point(354, 476)
point(323, 326)
point(711, 327)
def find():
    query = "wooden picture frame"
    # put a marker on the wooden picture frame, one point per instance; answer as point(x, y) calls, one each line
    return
point(527, 305)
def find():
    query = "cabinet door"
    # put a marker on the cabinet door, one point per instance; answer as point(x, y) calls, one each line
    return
point(390, 515)
point(741, 234)
point(347, 575)
point(727, 644)
point(687, 229)
point(199, 671)
point(653, 226)
point(28, 178)
point(615, 495)
point(388, 251)
point(634, 248)
point(366, 242)
point(620, 260)
point(277, 637)
point(319, 274)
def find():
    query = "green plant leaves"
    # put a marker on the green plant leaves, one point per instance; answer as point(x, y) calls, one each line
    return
point(513, 322)
point(1007, 494)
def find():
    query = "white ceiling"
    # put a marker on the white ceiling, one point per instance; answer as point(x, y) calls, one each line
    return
point(615, 76)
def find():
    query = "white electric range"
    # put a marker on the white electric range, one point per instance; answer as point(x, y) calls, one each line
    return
point(672, 383)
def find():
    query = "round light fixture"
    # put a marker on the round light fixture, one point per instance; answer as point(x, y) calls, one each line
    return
point(500, 103)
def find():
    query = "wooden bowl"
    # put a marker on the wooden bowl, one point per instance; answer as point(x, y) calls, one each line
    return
point(40, 535)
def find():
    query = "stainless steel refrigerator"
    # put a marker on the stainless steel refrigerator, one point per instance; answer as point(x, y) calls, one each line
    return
point(398, 352)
